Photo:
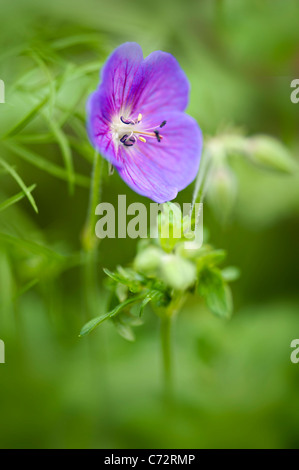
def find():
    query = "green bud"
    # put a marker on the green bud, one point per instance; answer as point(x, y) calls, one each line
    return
point(148, 260)
point(270, 153)
point(177, 272)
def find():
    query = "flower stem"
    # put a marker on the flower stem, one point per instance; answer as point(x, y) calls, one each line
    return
point(90, 271)
point(166, 330)
point(89, 239)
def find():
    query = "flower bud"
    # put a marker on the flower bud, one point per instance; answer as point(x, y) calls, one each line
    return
point(148, 260)
point(270, 153)
point(177, 272)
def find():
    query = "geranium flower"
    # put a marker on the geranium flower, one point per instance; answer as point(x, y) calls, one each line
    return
point(136, 120)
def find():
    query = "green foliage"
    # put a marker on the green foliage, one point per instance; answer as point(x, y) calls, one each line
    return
point(162, 279)
point(217, 295)
point(16, 198)
point(20, 182)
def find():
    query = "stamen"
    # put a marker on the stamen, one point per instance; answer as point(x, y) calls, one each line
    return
point(129, 142)
point(136, 133)
point(157, 135)
point(126, 121)
point(124, 138)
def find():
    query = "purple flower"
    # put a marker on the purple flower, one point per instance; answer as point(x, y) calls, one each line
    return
point(136, 120)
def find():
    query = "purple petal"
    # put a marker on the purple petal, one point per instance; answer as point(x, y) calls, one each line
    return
point(159, 84)
point(119, 72)
point(98, 125)
point(159, 170)
point(106, 102)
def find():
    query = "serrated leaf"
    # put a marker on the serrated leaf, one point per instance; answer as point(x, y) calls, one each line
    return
point(217, 295)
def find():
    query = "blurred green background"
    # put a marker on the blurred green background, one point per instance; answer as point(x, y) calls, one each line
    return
point(235, 383)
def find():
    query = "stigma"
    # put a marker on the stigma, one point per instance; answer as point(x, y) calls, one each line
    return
point(129, 131)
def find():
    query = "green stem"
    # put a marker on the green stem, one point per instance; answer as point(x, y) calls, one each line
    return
point(166, 327)
point(90, 244)
point(89, 239)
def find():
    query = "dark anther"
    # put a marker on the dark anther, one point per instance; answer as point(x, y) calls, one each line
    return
point(131, 141)
point(126, 121)
point(123, 139)
point(163, 123)
point(157, 135)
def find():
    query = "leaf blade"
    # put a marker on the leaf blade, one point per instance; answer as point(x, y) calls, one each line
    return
point(20, 182)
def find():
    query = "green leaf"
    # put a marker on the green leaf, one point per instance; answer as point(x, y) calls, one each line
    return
point(210, 258)
point(12, 200)
point(144, 303)
point(125, 331)
point(45, 165)
point(29, 117)
point(153, 295)
point(66, 153)
point(20, 182)
point(134, 281)
point(26, 288)
point(217, 295)
point(31, 246)
point(92, 324)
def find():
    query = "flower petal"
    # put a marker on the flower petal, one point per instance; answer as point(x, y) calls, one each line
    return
point(119, 72)
point(107, 101)
point(160, 83)
point(159, 170)
point(99, 115)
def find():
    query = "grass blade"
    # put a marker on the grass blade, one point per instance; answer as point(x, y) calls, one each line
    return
point(66, 153)
point(20, 182)
point(31, 246)
point(29, 117)
point(16, 198)
point(45, 165)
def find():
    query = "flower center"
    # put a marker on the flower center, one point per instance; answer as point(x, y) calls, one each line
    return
point(128, 131)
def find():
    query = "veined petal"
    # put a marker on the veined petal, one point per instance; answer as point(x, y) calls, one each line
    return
point(109, 99)
point(160, 84)
point(159, 170)
point(99, 107)
point(119, 73)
